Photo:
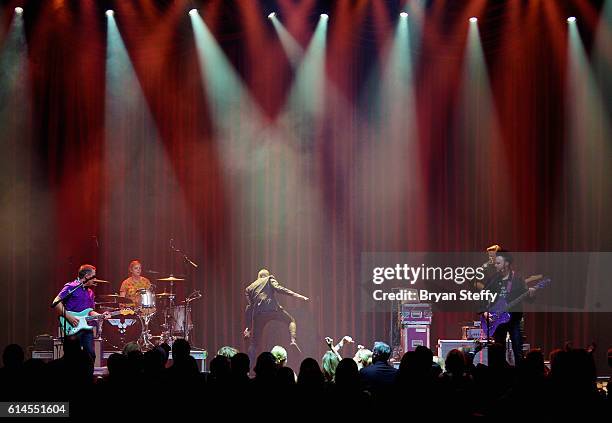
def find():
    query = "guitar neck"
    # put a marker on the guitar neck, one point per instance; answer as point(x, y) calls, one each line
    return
point(517, 300)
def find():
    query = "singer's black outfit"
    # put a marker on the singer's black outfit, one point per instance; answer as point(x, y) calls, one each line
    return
point(263, 307)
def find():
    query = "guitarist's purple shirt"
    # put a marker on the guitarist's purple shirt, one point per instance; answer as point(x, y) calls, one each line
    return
point(80, 299)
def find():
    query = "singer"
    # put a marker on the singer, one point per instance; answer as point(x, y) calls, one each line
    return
point(134, 282)
point(263, 307)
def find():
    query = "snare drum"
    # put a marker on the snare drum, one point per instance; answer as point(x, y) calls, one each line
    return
point(145, 302)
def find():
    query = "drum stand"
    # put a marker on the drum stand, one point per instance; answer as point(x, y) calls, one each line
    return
point(166, 335)
point(145, 338)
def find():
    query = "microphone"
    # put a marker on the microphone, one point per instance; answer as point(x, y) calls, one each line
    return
point(190, 262)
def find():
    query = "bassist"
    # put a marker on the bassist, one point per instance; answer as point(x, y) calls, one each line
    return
point(509, 286)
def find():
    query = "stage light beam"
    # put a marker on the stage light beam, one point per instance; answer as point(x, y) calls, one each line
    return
point(404, 15)
point(324, 16)
point(110, 13)
point(571, 19)
point(293, 49)
point(19, 10)
point(193, 12)
point(473, 19)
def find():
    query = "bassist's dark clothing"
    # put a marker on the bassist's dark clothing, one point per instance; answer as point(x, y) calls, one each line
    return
point(509, 290)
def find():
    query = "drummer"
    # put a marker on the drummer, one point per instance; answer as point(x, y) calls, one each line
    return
point(135, 282)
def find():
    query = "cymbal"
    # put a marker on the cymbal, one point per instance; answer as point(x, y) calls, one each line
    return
point(171, 279)
point(165, 295)
point(98, 281)
point(105, 303)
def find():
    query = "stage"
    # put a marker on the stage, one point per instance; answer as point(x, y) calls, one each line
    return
point(261, 173)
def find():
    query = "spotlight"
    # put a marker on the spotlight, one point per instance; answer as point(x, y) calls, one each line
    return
point(193, 12)
point(19, 10)
point(271, 15)
point(571, 19)
point(110, 13)
point(324, 16)
point(473, 19)
point(404, 15)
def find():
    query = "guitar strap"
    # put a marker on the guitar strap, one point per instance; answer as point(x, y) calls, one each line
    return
point(509, 286)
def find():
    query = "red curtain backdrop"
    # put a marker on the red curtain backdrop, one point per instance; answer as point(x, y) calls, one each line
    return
point(103, 174)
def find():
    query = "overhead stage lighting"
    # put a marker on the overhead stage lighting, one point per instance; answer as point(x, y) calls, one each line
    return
point(571, 19)
point(404, 15)
point(193, 12)
point(19, 10)
point(324, 16)
point(473, 19)
point(110, 13)
point(271, 15)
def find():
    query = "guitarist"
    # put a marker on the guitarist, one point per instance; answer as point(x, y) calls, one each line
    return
point(81, 299)
point(508, 285)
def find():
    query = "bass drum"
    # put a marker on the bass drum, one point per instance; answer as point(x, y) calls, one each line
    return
point(120, 330)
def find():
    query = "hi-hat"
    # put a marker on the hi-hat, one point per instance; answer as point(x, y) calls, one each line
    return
point(98, 281)
point(165, 295)
point(171, 279)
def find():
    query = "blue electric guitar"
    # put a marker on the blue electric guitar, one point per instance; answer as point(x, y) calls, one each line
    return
point(498, 314)
point(85, 318)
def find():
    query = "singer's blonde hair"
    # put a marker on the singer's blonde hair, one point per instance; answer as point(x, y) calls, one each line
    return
point(263, 273)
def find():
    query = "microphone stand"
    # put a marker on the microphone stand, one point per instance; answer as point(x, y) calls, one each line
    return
point(188, 300)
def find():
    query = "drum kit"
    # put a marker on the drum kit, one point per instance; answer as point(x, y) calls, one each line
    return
point(147, 305)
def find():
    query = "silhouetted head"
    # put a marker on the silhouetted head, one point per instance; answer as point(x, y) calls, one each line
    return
point(117, 365)
point(241, 364)
point(347, 374)
point(310, 373)
point(455, 362)
point(497, 355)
point(285, 376)
point(220, 368)
point(265, 368)
point(409, 364)
point(180, 350)
point(533, 363)
point(13, 356)
point(380, 352)
point(154, 360)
